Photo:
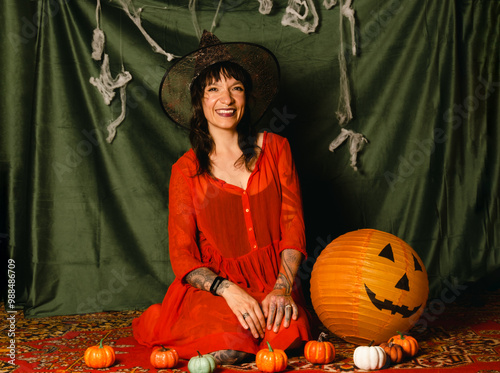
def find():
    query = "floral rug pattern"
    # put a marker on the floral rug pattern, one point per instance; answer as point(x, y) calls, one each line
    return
point(464, 338)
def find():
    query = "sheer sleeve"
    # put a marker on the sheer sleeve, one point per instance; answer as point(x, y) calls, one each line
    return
point(184, 250)
point(292, 219)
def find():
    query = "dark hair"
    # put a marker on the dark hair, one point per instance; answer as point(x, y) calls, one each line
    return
point(200, 137)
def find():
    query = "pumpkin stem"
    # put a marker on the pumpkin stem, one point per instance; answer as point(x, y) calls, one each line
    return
point(371, 343)
point(100, 343)
point(199, 355)
point(269, 345)
point(321, 336)
point(402, 335)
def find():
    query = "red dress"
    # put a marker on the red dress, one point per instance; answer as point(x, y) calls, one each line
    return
point(239, 234)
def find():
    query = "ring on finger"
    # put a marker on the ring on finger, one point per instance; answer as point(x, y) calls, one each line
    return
point(245, 315)
point(288, 306)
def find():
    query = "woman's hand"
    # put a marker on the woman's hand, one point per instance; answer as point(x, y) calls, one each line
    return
point(245, 307)
point(278, 307)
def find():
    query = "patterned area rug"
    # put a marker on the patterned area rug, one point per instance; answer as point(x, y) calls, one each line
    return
point(457, 338)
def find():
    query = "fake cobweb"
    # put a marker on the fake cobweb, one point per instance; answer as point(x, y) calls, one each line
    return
point(105, 83)
point(299, 14)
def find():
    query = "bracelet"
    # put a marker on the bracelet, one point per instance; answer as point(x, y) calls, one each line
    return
point(215, 285)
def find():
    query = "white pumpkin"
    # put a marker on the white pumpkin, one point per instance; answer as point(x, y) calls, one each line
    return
point(369, 357)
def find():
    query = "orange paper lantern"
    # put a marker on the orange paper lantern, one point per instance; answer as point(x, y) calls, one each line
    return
point(367, 285)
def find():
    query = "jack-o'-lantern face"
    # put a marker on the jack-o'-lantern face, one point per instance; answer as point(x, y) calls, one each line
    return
point(366, 285)
point(402, 286)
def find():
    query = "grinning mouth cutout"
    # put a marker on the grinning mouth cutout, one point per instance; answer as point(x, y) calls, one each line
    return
point(388, 305)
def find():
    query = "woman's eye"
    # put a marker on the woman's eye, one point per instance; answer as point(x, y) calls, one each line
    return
point(212, 89)
point(239, 88)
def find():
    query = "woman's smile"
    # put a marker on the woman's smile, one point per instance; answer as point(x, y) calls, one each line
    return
point(226, 112)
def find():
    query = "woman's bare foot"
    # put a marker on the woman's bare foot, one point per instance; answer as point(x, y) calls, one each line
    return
point(230, 357)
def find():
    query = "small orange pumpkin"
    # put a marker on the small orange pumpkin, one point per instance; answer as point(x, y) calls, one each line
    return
point(319, 352)
point(100, 356)
point(162, 357)
point(271, 360)
point(394, 351)
point(409, 344)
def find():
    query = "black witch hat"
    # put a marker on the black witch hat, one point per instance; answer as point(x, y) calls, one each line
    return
point(258, 61)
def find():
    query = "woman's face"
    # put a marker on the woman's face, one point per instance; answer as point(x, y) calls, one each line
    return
point(224, 103)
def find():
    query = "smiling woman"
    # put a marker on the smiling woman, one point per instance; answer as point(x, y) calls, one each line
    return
point(236, 230)
point(219, 99)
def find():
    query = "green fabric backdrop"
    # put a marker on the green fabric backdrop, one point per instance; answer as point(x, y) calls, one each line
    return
point(85, 220)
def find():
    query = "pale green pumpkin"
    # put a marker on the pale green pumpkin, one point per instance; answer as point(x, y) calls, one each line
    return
point(202, 363)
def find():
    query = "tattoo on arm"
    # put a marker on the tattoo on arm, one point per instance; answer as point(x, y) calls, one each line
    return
point(290, 261)
point(230, 356)
point(201, 278)
point(282, 282)
point(223, 286)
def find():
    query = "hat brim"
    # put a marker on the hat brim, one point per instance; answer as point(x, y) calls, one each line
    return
point(258, 61)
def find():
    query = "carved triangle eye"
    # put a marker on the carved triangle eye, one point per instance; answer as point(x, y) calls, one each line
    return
point(418, 267)
point(387, 252)
point(403, 283)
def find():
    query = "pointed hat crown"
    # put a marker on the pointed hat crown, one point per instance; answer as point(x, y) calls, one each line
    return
point(210, 51)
